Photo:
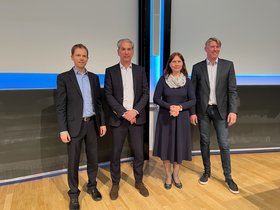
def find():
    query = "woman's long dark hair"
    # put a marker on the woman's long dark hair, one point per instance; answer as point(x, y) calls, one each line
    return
point(168, 70)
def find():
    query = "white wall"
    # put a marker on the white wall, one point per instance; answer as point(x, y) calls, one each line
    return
point(249, 31)
point(37, 35)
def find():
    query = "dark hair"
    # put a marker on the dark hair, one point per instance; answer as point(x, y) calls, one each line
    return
point(81, 46)
point(168, 70)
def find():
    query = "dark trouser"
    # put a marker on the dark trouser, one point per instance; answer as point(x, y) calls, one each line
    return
point(87, 133)
point(221, 127)
point(136, 136)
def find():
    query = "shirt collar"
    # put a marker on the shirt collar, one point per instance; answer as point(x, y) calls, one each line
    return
point(209, 63)
point(129, 67)
point(78, 72)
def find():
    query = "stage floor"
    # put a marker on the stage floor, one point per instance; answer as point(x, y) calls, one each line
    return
point(257, 175)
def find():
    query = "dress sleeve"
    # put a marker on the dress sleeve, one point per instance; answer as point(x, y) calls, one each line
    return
point(191, 100)
point(158, 94)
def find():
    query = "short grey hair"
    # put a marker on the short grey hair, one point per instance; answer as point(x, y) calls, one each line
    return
point(213, 39)
point(125, 40)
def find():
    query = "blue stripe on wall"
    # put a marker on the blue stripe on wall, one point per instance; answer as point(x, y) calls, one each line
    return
point(258, 79)
point(25, 81)
point(156, 61)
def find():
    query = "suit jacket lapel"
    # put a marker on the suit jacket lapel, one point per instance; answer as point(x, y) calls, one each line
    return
point(205, 72)
point(134, 77)
point(91, 82)
point(219, 68)
point(74, 80)
point(119, 78)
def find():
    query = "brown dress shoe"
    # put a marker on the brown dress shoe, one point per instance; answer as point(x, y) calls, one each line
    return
point(142, 189)
point(114, 193)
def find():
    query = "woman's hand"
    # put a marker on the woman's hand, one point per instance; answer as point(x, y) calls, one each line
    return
point(175, 110)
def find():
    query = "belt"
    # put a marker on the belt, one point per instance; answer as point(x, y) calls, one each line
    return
point(87, 119)
point(212, 106)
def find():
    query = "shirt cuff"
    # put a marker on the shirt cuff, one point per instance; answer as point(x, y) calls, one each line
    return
point(63, 132)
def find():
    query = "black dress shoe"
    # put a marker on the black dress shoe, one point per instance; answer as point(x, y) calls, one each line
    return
point(95, 194)
point(74, 204)
point(177, 184)
point(167, 186)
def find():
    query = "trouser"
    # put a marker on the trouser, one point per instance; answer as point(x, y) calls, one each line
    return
point(136, 136)
point(89, 135)
point(221, 128)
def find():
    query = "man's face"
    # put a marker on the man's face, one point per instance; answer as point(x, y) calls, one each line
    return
point(212, 50)
point(125, 52)
point(80, 58)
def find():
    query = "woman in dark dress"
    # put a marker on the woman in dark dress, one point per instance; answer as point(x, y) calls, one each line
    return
point(175, 95)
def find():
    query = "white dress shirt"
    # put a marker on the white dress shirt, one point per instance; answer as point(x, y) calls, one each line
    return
point(212, 74)
point(128, 91)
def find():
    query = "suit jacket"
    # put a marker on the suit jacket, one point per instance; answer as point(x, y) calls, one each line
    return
point(114, 93)
point(69, 102)
point(226, 89)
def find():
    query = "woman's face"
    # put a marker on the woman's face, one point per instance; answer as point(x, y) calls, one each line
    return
point(176, 64)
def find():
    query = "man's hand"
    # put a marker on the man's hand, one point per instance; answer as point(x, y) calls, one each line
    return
point(133, 121)
point(130, 115)
point(102, 130)
point(65, 137)
point(231, 119)
point(193, 119)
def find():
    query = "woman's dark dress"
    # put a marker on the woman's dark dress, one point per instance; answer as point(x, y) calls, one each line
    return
point(173, 137)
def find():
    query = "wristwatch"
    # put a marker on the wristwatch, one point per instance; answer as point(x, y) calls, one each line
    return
point(181, 108)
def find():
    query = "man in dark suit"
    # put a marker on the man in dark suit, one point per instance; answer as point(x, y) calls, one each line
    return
point(215, 87)
point(127, 93)
point(80, 117)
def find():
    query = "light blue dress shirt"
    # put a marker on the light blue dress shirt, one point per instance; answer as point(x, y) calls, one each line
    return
point(83, 81)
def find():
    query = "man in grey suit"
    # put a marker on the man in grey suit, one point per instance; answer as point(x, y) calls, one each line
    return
point(80, 117)
point(217, 100)
point(127, 93)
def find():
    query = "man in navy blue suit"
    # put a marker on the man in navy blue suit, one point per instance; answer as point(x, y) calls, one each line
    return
point(80, 117)
point(127, 93)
